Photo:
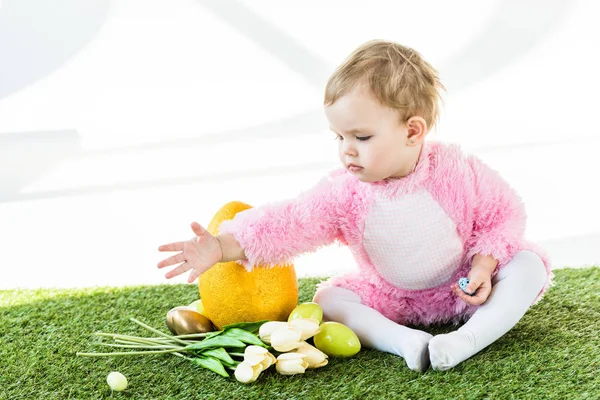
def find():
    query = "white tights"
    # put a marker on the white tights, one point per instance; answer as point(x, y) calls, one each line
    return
point(515, 287)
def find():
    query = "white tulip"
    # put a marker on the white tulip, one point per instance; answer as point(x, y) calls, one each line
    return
point(268, 361)
point(267, 329)
point(247, 373)
point(308, 326)
point(291, 364)
point(286, 338)
point(255, 354)
point(258, 355)
point(315, 357)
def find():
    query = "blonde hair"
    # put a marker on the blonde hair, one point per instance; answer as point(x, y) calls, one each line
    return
point(397, 76)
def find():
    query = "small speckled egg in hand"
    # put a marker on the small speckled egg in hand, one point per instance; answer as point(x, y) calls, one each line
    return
point(462, 283)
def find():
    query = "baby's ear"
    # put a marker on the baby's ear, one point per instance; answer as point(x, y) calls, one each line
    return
point(417, 129)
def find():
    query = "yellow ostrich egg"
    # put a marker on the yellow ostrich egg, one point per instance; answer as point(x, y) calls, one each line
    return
point(231, 294)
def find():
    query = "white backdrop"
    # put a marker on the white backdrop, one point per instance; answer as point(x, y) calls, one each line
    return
point(123, 121)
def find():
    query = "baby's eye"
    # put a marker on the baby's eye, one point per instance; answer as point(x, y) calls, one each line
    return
point(363, 138)
point(338, 137)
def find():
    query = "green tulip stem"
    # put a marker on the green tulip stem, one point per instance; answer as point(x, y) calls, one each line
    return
point(181, 355)
point(160, 339)
point(157, 331)
point(127, 353)
point(127, 338)
point(192, 335)
point(236, 354)
point(117, 335)
point(141, 342)
point(140, 346)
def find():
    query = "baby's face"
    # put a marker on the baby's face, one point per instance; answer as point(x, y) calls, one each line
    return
point(373, 143)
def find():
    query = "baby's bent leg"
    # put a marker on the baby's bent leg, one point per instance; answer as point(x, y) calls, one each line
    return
point(515, 287)
point(372, 328)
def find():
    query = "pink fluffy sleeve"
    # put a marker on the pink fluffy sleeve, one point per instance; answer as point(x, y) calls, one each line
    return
point(275, 233)
point(499, 215)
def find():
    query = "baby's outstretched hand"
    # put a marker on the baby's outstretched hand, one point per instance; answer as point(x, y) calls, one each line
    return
point(197, 254)
point(480, 282)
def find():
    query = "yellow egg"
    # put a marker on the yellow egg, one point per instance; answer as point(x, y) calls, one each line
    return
point(230, 294)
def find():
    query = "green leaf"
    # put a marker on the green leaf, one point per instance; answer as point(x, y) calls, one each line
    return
point(217, 341)
point(244, 336)
point(213, 334)
point(247, 326)
point(211, 363)
point(220, 354)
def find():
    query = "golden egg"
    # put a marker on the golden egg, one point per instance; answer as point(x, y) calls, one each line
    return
point(184, 321)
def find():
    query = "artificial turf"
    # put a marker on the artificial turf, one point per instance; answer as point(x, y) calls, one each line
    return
point(553, 353)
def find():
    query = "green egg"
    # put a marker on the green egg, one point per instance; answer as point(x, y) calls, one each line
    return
point(336, 340)
point(198, 306)
point(307, 310)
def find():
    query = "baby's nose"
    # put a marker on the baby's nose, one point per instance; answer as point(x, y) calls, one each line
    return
point(350, 150)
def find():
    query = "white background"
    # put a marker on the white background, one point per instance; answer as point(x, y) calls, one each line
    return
point(123, 121)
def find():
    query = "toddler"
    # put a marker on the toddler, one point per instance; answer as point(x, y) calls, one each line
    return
point(417, 215)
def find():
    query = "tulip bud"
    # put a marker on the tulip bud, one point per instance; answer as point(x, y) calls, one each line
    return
point(308, 326)
point(268, 361)
point(291, 364)
point(258, 355)
point(315, 357)
point(286, 338)
point(266, 330)
point(254, 354)
point(247, 373)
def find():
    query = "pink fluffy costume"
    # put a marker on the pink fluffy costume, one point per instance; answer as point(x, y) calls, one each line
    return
point(412, 237)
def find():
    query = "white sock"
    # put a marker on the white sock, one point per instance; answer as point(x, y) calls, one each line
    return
point(373, 329)
point(514, 288)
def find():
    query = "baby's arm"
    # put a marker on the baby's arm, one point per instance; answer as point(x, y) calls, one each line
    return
point(498, 215)
point(498, 227)
point(231, 250)
point(275, 233)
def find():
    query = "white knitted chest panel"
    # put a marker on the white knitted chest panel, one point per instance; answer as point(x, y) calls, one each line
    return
point(411, 241)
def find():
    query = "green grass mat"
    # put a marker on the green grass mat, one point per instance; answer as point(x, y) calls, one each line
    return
point(553, 353)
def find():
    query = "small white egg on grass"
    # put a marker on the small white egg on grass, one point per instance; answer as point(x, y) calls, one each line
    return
point(116, 381)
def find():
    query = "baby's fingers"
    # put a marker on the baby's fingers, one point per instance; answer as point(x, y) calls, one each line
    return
point(176, 259)
point(193, 275)
point(483, 293)
point(179, 270)
point(472, 287)
point(472, 300)
point(177, 246)
point(198, 229)
point(478, 299)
